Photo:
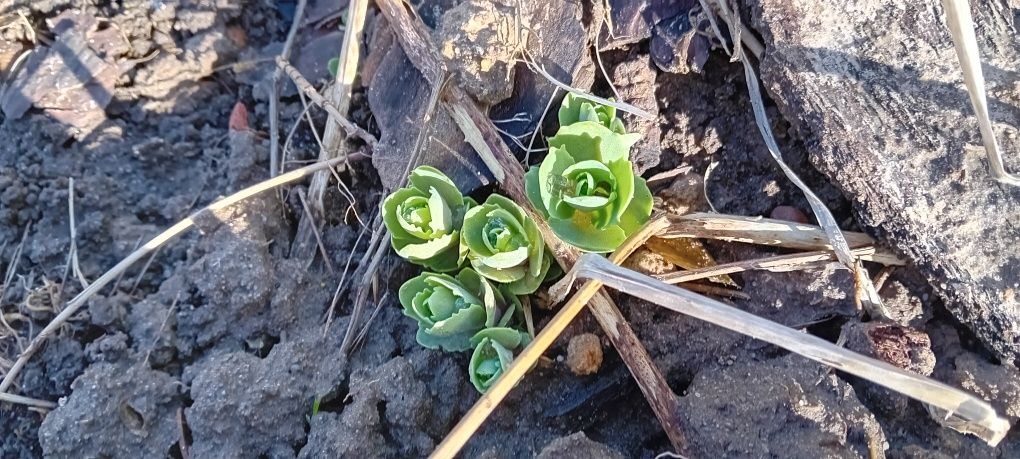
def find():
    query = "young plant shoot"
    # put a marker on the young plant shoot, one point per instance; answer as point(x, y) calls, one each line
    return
point(586, 187)
point(451, 310)
point(493, 354)
point(424, 220)
point(505, 245)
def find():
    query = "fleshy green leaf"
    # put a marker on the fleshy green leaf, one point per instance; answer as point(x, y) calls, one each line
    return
point(534, 192)
point(581, 233)
point(624, 173)
point(389, 209)
point(499, 275)
point(529, 284)
point(550, 178)
point(508, 337)
point(462, 321)
point(441, 219)
point(640, 208)
point(425, 177)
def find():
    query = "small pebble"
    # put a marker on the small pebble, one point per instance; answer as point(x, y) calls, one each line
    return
point(584, 354)
point(789, 213)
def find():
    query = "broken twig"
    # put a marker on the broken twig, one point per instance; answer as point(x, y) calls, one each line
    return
point(304, 86)
point(974, 413)
point(767, 231)
point(781, 263)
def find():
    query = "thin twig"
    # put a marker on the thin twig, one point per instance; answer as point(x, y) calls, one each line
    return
point(72, 255)
point(340, 95)
point(343, 277)
point(540, 69)
point(12, 266)
point(669, 174)
point(359, 303)
point(316, 98)
point(316, 232)
point(780, 263)
point(27, 401)
point(538, 127)
point(145, 268)
point(162, 326)
point(716, 291)
point(598, 57)
point(368, 323)
point(274, 90)
point(153, 244)
point(182, 442)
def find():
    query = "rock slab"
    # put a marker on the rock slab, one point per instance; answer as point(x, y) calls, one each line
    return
point(876, 90)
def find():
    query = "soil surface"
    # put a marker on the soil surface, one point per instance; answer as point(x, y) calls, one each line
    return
point(218, 346)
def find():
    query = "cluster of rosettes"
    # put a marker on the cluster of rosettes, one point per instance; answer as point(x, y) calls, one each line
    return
point(585, 189)
point(433, 225)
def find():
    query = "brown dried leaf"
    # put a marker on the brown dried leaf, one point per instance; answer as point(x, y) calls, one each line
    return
point(687, 253)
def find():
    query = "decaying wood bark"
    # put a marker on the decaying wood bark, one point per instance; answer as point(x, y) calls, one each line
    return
point(875, 88)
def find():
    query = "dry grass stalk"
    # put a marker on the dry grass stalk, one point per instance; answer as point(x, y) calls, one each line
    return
point(865, 294)
point(340, 97)
point(161, 239)
point(961, 26)
point(27, 401)
point(527, 359)
point(771, 232)
point(778, 264)
point(972, 413)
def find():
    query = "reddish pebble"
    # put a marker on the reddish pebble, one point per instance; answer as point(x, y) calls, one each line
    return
point(789, 213)
point(238, 117)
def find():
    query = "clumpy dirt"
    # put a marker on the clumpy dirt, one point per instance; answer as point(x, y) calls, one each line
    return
point(218, 346)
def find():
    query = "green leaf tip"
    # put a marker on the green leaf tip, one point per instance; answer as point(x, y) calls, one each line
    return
point(424, 220)
point(586, 186)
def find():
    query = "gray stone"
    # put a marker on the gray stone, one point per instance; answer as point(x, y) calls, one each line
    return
point(876, 90)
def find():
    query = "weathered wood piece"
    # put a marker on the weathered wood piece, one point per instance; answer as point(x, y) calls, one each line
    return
point(876, 89)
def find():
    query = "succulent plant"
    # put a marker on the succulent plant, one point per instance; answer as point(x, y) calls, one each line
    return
point(424, 220)
point(493, 354)
point(451, 310)
point(505, 245)
point(575, 108)
point(586, 187)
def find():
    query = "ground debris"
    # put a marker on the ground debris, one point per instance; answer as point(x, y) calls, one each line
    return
point(584, 354)
point(73, 78)
point(782, 407)
point(114, 411)
point(577, 446)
